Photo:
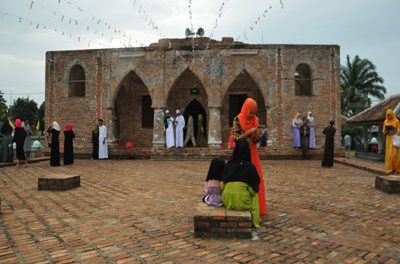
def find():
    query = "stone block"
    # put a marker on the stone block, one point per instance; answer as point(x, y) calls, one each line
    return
point(219, 222)
point(59, 182)
point(389, 183)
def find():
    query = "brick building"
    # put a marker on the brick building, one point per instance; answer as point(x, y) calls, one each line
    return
point(131, 87)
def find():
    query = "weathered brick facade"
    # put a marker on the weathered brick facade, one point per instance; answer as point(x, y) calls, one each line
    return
point(117, 80)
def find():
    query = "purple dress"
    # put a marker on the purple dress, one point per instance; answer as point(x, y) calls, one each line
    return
point(213, 193)
point(296, 134)
point(311, 124)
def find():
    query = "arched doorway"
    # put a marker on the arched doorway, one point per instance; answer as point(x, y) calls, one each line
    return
point(188, 91)
point(194, 108)
point(133, 112)
point(242, 87)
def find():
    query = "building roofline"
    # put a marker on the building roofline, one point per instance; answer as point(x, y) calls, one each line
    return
point(213, 43)
point(349, 120)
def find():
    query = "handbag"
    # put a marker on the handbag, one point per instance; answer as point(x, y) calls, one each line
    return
point(396, 141)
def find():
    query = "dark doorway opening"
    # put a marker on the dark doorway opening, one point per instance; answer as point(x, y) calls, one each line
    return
point(235, 105)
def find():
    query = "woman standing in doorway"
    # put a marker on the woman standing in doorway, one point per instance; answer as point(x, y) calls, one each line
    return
point(245, 125)
point(201, 137)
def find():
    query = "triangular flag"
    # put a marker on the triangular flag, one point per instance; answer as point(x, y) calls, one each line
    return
point(11, 123)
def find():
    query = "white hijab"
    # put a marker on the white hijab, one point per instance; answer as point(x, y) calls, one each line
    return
point(56, 126)
point(310, 117)
point(297, 120)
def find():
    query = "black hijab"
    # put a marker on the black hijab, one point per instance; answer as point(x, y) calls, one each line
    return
point(239, 167)
point(216, 168)
point(6, 129)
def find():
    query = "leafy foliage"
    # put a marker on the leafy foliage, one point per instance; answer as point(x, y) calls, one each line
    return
point(359, 83)
point(3, 106)
point(24, 108)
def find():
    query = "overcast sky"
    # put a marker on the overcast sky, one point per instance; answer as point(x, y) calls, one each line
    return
point(29, 28)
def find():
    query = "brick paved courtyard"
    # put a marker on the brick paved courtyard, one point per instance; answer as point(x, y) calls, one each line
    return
point(141, 211)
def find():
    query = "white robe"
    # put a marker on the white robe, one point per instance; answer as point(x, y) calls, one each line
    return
point(103, 152)
point(169, 133)
point(180, 124)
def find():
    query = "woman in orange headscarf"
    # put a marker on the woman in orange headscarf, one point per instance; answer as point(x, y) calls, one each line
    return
point(245, 125)
point(391, 126)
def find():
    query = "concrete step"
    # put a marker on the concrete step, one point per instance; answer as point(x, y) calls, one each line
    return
point(370, 156)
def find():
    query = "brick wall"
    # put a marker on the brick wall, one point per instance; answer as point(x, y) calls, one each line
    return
point(265, 72)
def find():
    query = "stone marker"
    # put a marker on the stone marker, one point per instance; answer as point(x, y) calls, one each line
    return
point(389, 183)
point(59, 182)
point(219, 222)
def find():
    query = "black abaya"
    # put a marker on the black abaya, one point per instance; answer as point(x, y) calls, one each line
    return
point(329, 146)
point(95, 144)
point(55, 147)
point(69, 147)
point(19, 139)
point(304, 140)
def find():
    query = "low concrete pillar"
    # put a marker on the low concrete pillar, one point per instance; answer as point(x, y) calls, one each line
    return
point(388, 183)
point(158, 128)
point(214, 127)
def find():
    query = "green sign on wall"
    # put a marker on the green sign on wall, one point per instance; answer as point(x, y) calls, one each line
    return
point(195, 90)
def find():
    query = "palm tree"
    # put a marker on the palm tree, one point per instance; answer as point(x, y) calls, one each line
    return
point(359, 82)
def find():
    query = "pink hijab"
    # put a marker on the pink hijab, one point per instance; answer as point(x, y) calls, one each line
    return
point(18, 123)
point(68, 127)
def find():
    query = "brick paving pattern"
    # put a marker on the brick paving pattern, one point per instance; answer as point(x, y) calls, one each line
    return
point(141, 211)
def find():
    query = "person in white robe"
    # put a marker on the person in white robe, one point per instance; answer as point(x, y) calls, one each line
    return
point(180, 124)
point(169, 129)
point(103, 151)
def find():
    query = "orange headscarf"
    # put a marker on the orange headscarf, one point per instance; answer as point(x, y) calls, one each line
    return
point(394, 122)
point(250, 105)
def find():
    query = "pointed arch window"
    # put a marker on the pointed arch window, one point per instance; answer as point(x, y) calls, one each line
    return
point(77, 81)
point(303, 80)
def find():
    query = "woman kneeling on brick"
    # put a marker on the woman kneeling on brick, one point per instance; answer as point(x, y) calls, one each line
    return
point(240, 182)
point(212, 184)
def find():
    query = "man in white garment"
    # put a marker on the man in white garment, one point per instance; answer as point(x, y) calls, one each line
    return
point(103, 152)
point(169, 130)
point(180, 124)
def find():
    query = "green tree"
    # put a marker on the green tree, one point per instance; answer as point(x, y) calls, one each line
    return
point(24, 108)
point(359, 83)
point(3, 107)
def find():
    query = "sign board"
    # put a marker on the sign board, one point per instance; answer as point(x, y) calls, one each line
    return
point(195, 90)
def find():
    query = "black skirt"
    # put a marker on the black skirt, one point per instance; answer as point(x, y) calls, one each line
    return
point(20, 152)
